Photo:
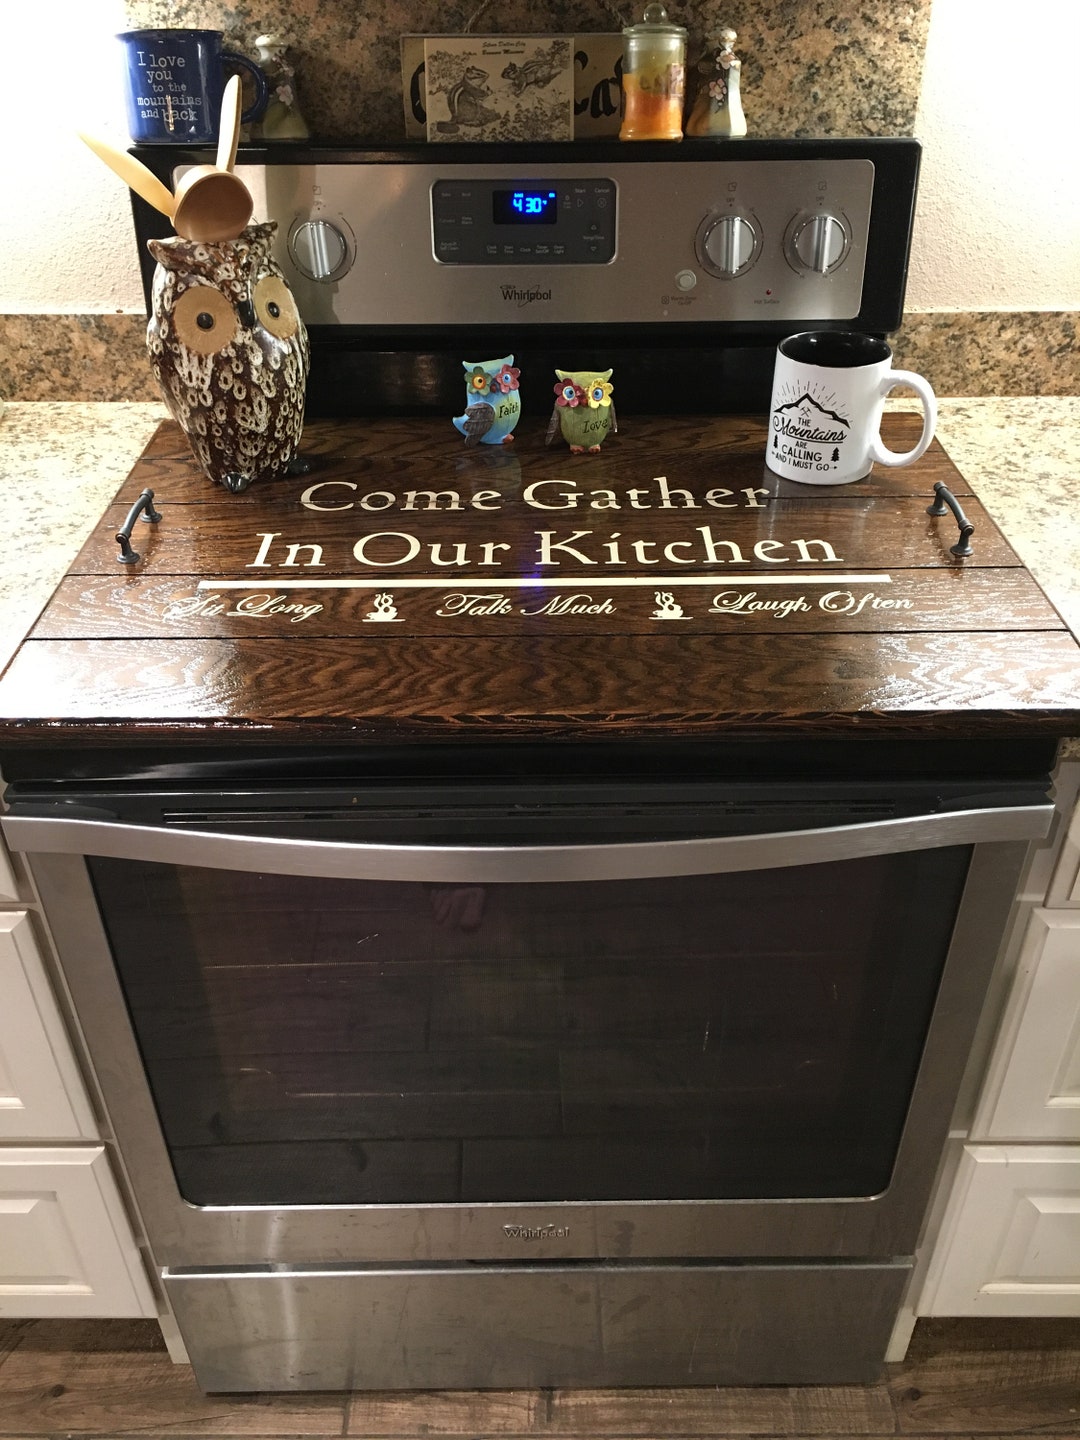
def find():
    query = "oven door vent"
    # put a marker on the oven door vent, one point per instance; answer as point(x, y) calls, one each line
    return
point(551, 822)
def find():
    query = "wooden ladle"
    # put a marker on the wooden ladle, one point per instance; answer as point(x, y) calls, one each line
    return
point(211, 203)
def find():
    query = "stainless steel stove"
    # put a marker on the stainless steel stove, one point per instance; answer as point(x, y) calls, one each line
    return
point(511, 1063)
point(405, 261)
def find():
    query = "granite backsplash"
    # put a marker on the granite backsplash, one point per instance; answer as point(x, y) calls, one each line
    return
point(810, 67)
point(103, 357)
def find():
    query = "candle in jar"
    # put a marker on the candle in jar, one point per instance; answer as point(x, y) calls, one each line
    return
point(654, 78)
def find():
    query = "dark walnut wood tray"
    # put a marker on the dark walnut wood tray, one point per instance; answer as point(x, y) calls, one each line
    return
point(608, 606)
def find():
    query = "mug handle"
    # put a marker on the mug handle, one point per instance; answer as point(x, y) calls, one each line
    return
point(880, 451)
point(262, 90)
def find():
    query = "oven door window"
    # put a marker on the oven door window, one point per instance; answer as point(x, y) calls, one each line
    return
point(318, 1041)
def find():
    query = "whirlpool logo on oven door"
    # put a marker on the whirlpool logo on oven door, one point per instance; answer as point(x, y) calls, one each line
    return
point(522, 297)
point(536, 1232)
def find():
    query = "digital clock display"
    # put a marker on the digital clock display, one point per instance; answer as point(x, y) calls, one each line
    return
point(524, 207)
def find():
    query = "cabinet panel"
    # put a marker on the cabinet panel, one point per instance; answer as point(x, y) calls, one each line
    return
point(1032, 1089)
point(42, 1096)
point(1065, 885)
point(1010, 1241)
point(9, 884)
point(65, 1242)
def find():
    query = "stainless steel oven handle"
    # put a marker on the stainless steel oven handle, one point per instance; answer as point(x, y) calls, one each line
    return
point(479, 865)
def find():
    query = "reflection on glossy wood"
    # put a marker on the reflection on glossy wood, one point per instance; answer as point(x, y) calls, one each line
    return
point(424, 440)
point(802, 536)
point(114, 608)
point(586, 687)
point(378, 452)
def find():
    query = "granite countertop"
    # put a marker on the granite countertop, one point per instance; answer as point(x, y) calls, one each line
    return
point(62, 462)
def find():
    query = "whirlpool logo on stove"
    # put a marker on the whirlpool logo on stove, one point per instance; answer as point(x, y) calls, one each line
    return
point(522, 297)
point(536, 1232)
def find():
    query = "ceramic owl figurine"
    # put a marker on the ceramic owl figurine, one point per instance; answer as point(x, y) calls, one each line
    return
point(492, 402)
point(583, 410)
point(230, 353)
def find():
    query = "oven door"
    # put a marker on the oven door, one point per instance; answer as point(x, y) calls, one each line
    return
point(725, 1037)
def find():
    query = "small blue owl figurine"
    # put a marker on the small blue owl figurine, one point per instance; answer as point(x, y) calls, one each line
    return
point(492, 402)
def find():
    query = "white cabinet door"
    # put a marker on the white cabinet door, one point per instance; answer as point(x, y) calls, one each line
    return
point(1010, 1239)
point(1032, 1086)
point(42, 1096)
point(65, 1241)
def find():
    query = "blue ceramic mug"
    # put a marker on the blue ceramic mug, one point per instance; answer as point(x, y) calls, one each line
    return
point(175, 81)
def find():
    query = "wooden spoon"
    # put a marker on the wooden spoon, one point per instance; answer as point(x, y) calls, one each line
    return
point(211, 202)
point(134, 173)
point(229, 132)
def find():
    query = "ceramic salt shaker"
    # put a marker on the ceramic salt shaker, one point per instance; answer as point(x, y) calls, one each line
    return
point(717, 110)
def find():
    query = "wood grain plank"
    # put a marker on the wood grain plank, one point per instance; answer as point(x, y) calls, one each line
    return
point(971, 648)
point(410, 438)
point(855, 531)
point(642, 1413)
point(990, 1377)
point(1001, 1378)
point(474, 1413)
point(700, 449)
point(587, 687)
point(77, 1378)
point(923, 601)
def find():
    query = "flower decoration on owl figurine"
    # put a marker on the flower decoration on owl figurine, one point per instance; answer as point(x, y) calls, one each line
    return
point(506, 380)
point(584, 411)
point(569, 392)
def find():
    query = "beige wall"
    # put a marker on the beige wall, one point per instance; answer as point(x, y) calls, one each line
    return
point(998, 222)
point(65, 241)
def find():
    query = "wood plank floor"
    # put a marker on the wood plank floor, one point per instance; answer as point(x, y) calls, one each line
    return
point(961, 1378)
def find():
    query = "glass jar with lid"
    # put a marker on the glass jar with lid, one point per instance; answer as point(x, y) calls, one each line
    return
point(654, 77)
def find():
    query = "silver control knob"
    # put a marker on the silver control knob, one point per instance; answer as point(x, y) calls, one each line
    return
point(319, 250)
point(728, 245)
point(817, 244)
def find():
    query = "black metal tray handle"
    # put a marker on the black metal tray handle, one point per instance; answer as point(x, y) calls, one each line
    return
point(946, 500)
point(145, 502)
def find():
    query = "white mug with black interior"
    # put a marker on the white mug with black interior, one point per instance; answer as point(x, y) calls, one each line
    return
point(829, 389)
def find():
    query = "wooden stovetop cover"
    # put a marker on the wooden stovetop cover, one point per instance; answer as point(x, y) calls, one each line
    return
point(586, 606)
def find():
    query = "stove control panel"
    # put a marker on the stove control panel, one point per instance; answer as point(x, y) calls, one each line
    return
point(429, 243)
point(543, 222)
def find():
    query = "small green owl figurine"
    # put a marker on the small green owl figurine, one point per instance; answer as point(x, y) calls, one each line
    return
point(583, 409)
